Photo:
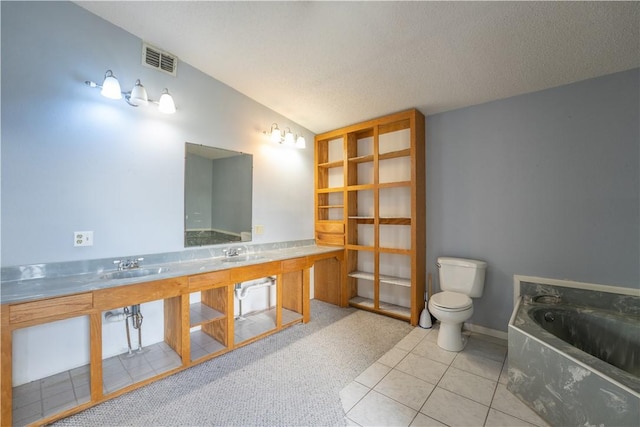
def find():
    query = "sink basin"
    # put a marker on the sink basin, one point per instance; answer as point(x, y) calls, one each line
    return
point(135, 272)
point(241, 258)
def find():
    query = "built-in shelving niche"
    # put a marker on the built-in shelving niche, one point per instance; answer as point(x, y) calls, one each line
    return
point(208, 322)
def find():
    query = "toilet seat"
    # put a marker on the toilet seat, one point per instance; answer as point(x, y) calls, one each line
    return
point(451, 301)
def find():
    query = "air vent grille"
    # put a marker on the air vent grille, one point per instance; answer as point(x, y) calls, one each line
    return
point(159, 59)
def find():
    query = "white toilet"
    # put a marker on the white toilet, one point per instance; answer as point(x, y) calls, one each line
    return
point(460, 279)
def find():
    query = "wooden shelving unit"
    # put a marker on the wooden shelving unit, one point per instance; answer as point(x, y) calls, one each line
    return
point(374, 173)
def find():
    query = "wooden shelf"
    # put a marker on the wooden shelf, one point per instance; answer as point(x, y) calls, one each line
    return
point(331, 207)
point(390, 280)
point(394, 184)
point(395, 154)
point(200, 314)
point(360, 248)
point(327, 165)
point(361, 159)
point(330, 190)
point(394, 221)
point(384, 308)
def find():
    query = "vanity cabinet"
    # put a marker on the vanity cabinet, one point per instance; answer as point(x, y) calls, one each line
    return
point(199, 324)
point(370, 199)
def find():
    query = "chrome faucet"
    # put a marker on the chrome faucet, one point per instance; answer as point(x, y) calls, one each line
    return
point(128, 264)
point(231, 252)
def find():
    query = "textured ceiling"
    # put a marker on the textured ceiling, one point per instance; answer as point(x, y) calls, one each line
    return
point(329, 64)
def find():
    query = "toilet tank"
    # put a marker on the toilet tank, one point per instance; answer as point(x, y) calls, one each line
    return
point(465, 276)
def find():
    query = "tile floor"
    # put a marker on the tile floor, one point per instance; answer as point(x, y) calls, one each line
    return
point(254, 324)
point(41, 398)
point(417, 383)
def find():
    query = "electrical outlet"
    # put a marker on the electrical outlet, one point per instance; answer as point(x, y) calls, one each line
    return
point(83, 238)
point(258, 229)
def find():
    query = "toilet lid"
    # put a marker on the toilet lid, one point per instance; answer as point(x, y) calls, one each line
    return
point(451, 301)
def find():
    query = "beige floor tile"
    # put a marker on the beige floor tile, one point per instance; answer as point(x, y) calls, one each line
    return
point(504, 374)
point(488, 349)
point(500, 419)
point(433, 336)
point(405, 389)
point(482, 366)
point(421, 420)
point(489, 338)
point(393, 357)
point(431, 351)
point(409, 342)
point(373, 374)
point(376, 409)
point(423, 368)
point(352, 394)
point(454, 410)
point(350, 423)
point(506, 402)
point(468, 385)
point(420, 332)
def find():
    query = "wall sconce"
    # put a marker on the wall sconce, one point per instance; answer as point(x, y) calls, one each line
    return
point(110, 88)
point(285, 137)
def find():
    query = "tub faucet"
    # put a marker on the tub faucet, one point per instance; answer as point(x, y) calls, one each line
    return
point(128, 264)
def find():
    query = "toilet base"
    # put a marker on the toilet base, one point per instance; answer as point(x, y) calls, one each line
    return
point(450, 336)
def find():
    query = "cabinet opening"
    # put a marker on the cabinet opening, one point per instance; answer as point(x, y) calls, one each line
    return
point(51, 369)
point(208, 322)
point(137, 345)
point(254, 308)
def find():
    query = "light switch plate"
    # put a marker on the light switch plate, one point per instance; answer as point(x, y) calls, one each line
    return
point(83, 238)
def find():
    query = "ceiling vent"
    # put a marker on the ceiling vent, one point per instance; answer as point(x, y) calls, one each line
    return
point(159, 59)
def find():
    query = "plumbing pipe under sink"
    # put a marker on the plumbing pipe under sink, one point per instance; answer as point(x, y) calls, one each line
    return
point(242, 291)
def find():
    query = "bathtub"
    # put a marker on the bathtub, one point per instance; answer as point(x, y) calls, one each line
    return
point(574, 351)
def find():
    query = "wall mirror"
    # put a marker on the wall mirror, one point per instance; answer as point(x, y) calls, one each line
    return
point(217, 202)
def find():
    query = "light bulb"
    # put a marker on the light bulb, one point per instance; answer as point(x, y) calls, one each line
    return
point(166, 104)
point(139, 95)
point(288, 138)
point(300, 142)
point(276, 136)
point(111, 86)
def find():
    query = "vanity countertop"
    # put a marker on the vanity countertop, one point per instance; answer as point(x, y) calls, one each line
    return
point(25, 289)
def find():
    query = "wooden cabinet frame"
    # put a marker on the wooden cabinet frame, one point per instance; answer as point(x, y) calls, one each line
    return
point(346, 168)
point(217, 288)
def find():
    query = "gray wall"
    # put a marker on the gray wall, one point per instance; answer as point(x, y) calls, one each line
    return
point(198, 184)
point(230, 184)
point(544, 184)
point(73, 160)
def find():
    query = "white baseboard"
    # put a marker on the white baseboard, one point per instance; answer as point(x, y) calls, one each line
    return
point(486, 331)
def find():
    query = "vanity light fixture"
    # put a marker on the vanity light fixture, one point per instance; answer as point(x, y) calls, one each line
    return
point(110, 88)
point(285, 137)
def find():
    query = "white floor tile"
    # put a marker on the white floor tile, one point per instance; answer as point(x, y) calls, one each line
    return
point(468, 385)
point(454, 410)
point(500, 419)
point(506, 402)
point(409, 342)
point(373, 374)
point(488, 349)
point(431, 351)
point(376, 409)
point(393, 357)
point(423, 368)
point(421, 420)
point(405, 389)
point(482, 366)
point(352, 394)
